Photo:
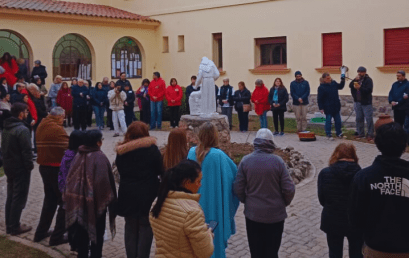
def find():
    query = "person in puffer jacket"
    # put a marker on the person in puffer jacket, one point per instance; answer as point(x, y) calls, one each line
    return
point(334, 184)
point(187, 235)
point(117, 98)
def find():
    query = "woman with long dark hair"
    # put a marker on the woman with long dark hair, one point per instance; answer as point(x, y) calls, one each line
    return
point(174, 95)
point(177, 219)
point(242, 97)
point(176, 150)
point(217, 198)
point(260, 100)
point(99, 100)
point(278, 99)
point(11, 68)
point(139, 164)
point(333, 193)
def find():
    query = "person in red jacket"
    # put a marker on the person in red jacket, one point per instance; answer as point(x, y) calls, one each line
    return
point(31, 106)
point(156, 91)
point(174, 95)
point(11, 68)
point(64, 100)
point(260, 100)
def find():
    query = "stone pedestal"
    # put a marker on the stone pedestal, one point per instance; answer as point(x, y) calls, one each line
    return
point(192, 125)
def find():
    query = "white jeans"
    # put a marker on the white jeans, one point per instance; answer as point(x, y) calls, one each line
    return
point(119, 115)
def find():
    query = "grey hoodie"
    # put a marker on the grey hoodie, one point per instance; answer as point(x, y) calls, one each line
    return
point(264, 185)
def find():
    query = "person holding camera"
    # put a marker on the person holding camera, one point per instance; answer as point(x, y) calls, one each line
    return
point(117, 98)
point(361, 90)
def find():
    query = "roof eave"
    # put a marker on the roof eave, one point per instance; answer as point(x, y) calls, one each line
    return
point(75, 18)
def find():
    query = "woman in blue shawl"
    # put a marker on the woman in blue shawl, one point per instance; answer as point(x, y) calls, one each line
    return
point(217, 199)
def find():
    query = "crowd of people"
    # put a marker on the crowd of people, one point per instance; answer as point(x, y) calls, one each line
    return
point(187, 199)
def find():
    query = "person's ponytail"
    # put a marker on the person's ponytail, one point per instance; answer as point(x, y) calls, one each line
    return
point(162, 193)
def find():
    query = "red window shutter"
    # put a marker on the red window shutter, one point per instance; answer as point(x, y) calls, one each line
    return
point(397, 46)
point(332, 49)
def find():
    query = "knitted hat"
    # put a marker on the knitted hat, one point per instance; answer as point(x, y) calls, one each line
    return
point(361, 69)
point(298, 73)
point(37, 62)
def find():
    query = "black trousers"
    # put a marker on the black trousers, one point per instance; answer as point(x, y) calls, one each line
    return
point(174, 116)
point(336, 245)
point(18, 184)
point(399, 116)
point(81, 240)
point(146, 112)
point(264, 239)
point(129, 115)
point(243, 120)
point(80, 117)
point(109, 119)
point(52, 200)
point(138, 237)
point(278, 115)
point(89, 115)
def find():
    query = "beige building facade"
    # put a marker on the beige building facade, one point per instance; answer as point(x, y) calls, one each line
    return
point(246, 39)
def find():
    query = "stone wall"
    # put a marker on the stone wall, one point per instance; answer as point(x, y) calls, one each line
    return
point(380, 105)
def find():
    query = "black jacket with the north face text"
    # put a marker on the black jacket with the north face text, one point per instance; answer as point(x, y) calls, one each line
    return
point(379, 204)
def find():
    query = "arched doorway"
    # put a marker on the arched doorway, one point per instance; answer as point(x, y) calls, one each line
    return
point(72, 58)
point(126, 57)
point(16, 45)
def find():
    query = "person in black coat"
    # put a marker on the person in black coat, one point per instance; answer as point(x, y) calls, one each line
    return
point(226, 100)
point(334, 184)
point(99, 100)
point(189, 89)
point(40, 71)
point(129, 105)
point(22, 70)
point(278, 99)
point(139, 164)
point(242, 97)
point(329, 103)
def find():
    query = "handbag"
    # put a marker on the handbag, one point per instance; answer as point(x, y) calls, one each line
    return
point(247, 108)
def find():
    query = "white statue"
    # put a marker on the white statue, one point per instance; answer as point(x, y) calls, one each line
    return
point(208, 74)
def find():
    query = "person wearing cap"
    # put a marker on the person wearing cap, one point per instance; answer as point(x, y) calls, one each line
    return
point(40, 71)
point(265, 187)
point(398, 96)
point(361, 90)
point(300, 91)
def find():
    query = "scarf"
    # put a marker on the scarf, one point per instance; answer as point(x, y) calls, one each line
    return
point(263, 145)
point(275, 97)
point(90, 190)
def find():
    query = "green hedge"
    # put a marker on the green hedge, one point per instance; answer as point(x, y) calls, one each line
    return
point(182, 110)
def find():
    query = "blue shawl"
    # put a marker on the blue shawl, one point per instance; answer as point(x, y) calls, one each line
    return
point(217, 198)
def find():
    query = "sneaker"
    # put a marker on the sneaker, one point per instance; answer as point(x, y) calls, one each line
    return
point(21, 230)
point(282, 133)
point(330, 138)
point(341, 136)
point(116, 135)
point(276, 133)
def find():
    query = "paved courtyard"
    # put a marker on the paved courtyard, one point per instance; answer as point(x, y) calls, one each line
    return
point(302, 236)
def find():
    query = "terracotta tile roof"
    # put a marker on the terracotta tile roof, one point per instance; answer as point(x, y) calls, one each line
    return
point(72, 8)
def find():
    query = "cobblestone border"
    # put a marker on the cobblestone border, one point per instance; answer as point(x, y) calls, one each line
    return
point(46, 249)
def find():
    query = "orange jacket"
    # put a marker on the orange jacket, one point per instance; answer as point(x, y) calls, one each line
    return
point(174, 93)
point(157, 88)
point(260, 94)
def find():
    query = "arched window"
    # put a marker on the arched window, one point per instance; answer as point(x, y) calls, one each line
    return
point(12, 43)
point(126, 57)
point(72, 58)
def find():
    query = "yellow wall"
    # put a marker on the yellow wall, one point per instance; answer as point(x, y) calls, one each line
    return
point(42, 35)
point(303, 21)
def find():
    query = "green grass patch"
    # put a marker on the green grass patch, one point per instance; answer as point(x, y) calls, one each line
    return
point(11, 249)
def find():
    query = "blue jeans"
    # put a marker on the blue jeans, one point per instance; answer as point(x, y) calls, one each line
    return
point(328, 124)
point(99, 115)
point(156, 114)
point(263, 120)
point(406, 126)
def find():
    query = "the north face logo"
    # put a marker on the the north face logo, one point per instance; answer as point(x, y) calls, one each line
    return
point(393, 186)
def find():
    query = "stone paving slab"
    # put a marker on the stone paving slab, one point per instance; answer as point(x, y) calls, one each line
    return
point(302, 236)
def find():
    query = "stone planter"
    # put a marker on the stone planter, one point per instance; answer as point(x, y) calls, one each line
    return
point(192, 125)
point(383, 120)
